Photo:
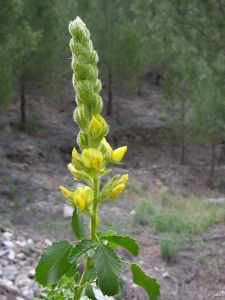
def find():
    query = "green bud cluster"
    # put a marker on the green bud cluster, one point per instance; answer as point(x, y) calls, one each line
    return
point(86, 84)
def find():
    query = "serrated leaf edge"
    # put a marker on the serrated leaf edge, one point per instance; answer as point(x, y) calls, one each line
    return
point(126, 236)
point(119, 273)
point(72, 219)
point(91, 288)
point(147, 276)
point(71, 261)
point(57, 242)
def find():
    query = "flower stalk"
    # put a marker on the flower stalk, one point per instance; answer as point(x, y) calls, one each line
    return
point(57, 268)
point(96, 152)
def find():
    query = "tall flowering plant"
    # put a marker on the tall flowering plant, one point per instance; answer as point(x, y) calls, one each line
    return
point(57, 269)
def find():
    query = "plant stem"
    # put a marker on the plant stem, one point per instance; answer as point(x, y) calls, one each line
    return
point(94, 218)
point(93, 227)
point(78, 292)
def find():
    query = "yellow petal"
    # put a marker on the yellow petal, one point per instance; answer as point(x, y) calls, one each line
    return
point(95, 128)
point(67, 193)
point(87, 158)
point(80, 203)
point(92, 158)
point(124, 178)
point(76, 159)
point(97, 163)
point(88, 195)
point(79, 191)
point(116, 191)
point(104, 125)
point(118, 154)
point(75, 154)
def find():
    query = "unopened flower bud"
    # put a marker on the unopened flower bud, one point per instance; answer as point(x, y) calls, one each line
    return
point(81, 70)
point(124, 178)
point(116, 191)
point(76, 159)
point(79, 30)
point(82, 140)
point(93, 57)
point(118, 154)
point(118, 187)
point(95, 128)
point(81, 116)
point(67, 193)
point(105, 126)
point(98, 86)
point(96, 104)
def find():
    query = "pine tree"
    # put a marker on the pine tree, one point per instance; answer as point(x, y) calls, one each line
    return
point(30, 31)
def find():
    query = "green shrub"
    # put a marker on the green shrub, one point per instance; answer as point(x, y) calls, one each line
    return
point(165, 199)
point(171, 222)
point(169, 248)
point(143, 211)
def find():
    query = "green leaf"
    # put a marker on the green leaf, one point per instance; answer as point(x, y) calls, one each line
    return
point(78, 225)
point(80, 249)
point(110, 232)
point(91, 274)
point(53, 263)
point(126, 242)
point(150, 284)
point(89, 292)
point(72, 271)
point(64, 281)
point(108, 269)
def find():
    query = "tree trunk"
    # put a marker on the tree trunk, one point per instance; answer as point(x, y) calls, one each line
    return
point(212, 165)
point(213, 152)
point(139, 91)
point(110, 93)
point(22, 102)
point(219, 6)
point(183, 132)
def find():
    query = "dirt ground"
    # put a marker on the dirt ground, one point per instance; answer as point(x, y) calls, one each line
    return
point(33, 165)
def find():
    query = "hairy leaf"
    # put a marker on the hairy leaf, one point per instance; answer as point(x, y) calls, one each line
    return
point(150, 284)
point(78, 225)
point(108, 269)
point(81, 248)
point(53, 263)
point(126, 242)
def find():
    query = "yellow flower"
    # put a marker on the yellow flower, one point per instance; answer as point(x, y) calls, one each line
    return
point(124, 178)
point(95, 128)
point(116, 191)
point(98, 126)
point(104, 125)
point(118, 154)
point(80, 203)
point(118, 187)
point(66, 193)
point(76, 159)
point(83, 197)
point(92, 158)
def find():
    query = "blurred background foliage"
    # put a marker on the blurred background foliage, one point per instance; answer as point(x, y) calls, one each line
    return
point(180, 43)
